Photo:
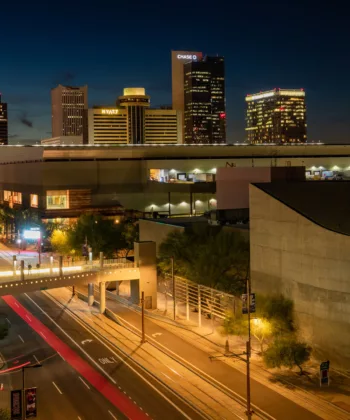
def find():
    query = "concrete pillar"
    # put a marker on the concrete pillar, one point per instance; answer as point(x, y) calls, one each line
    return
point(102, 285)
point(51, 264)
point(22, 270)
point(90, 294)
point(60, 265)
point(145, 259)
point(101, 260)
point(14, 264)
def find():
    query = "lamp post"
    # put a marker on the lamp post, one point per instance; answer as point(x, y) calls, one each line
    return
point(37, 365)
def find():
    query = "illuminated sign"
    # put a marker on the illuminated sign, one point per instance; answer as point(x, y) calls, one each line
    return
point(32, 234)
point(280, 92)
point(187, 57)
point(223, 115)
point(110, 111)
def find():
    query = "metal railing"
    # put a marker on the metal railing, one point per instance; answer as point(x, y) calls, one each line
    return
point(63, 267)
point(201, 299)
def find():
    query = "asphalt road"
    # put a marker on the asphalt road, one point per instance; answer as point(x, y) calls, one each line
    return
point(79, 398)
point(271, 402)
point(61, 394)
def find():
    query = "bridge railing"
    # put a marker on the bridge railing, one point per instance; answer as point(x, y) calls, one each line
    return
point(68, 267)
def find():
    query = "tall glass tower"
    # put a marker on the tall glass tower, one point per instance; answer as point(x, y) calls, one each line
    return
point(204, 101)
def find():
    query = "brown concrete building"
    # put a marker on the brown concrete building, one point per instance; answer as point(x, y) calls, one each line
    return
point(69, 111)
point(299, 242)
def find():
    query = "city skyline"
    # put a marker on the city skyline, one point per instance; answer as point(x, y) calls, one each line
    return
point(30, 73)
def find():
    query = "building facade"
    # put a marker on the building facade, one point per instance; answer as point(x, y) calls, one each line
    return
point(171, 179)
point(132, 121)
point(3, 123)
point(204, 101)
point(277, 116)
point(69, 111)
point(178, 59)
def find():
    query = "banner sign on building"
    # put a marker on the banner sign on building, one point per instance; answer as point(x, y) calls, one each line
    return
point(16, 404)
point(245, 303)
point(324, 373)
point(30, 403)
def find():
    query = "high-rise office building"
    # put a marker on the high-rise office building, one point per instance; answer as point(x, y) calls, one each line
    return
point(276, 116)
point(69, 111)
point(132, 121)
point(178, 59)
point(204, 101)
point(3, 123)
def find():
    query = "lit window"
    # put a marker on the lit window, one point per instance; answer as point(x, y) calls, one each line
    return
point(17, 197)
point(57, 199)
point(7, 195)
point(34, 200)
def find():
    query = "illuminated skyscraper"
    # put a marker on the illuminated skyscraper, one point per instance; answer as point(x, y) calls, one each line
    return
point(69, 111)
point(205, 109)
point(3, 123)
point(277, 116)
point(178, 59)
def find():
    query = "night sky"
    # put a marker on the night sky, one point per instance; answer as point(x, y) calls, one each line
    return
point(109, 45)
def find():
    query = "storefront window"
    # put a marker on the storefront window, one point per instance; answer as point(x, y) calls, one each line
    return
point(57, 199)
point(34, 200)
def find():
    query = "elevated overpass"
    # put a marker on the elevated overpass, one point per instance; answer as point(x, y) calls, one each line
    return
point(23, 279)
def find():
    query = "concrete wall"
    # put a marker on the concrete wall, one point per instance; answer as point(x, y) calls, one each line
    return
point(307, 263)
point(156, 231)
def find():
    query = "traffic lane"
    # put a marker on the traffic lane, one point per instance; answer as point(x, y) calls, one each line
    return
point(60, 389)
point(21, 348)
point(130, 382)
point(263, 397)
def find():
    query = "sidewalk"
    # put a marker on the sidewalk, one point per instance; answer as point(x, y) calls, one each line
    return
point(192, 388)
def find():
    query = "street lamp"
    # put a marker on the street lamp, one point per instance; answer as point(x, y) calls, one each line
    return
point(36, 365)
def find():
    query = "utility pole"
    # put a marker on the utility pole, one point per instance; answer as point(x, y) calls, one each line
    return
point(249, 411)
point(174, 287)
point(143, 339)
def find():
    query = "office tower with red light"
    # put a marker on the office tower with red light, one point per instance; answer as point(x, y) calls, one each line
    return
point(204, 101)
point(277, 117)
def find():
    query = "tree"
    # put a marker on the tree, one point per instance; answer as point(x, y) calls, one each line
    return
point(5, 414)
point(288, 352)
point(261, 328)
point(207, 255)
point(60, 242)
point(130, 234)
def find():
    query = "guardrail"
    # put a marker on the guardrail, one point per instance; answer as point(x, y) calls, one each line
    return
point(20, 272)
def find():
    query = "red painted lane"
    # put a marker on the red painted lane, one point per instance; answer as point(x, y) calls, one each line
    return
point(117, 398)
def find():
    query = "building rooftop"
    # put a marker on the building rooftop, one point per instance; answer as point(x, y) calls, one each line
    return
point(324, 203)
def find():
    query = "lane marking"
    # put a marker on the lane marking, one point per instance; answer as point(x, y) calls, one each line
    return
point(82, 380)
point(79, 418)
point(21, 338)
point(113, 416)
point(8, 321)
point(28, 318)
point(156, 334)
point(36, 359)
point(61, 356)
point(78, 321)
point(42, 334)
point(57, 388)
point(96, 379)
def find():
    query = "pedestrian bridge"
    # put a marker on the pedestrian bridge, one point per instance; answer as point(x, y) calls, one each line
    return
point(78, 273)
point(21, 279)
